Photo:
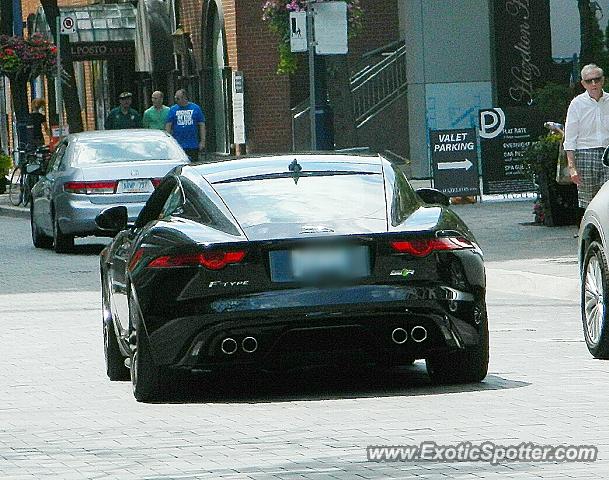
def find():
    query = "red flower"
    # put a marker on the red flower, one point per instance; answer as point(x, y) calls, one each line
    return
point(9, 51)
point(53, 49)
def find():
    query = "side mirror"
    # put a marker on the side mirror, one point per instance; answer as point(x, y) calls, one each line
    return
point(34, 169)
point(113, 219)
point(431, 195)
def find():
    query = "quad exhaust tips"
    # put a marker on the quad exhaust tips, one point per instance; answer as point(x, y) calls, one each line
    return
point(229, 345)
point(249, 344)
point(418, 334)
point(399, 336)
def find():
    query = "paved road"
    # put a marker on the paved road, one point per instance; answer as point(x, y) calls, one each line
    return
point(61, 418)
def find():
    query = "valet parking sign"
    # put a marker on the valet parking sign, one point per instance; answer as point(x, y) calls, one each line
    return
point(454, 158)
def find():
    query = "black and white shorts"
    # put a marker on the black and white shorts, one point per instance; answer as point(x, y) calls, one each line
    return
point(593, 174)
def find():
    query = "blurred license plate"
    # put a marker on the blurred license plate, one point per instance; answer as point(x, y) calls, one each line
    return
point(317, 263)
point(134, 186)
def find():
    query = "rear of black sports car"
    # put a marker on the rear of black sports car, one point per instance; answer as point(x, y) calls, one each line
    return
point(329, 264)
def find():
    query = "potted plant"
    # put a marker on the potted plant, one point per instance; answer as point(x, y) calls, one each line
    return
point(6, 162)
point(557, 204)
point(277, 14)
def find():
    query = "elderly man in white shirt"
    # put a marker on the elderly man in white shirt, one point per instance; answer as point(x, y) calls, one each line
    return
point(587, 135)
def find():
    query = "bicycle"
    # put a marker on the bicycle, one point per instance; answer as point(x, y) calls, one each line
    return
point(21, 182)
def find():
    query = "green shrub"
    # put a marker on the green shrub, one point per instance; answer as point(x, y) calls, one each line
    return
point(6, 162)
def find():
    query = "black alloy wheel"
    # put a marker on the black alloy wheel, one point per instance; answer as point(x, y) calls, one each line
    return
point(115, 362)
point(466, 366)
point(147, 378)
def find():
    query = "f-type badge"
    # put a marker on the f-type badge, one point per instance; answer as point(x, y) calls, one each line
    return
point(402, 273)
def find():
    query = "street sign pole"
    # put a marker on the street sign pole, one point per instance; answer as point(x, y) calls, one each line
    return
point(58, 85)
point(311, 45)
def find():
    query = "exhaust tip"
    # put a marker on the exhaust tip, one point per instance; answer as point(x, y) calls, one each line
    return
point(249, 344)
point(418, 334)
point(399, 336)
point(228, 346)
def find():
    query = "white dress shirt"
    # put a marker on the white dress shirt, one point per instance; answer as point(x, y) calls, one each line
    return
point(587, 124)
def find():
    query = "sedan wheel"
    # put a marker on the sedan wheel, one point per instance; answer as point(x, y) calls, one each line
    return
point(594, 301)
point(39, 239)
point(62, 243)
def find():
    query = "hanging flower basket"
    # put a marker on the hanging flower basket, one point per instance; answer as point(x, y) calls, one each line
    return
point(26, 58)
point(277, 14)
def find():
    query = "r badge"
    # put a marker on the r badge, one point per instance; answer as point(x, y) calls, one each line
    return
point(402, 273)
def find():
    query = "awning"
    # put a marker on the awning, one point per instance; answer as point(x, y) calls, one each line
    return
point(95, 23)
point(153, 42)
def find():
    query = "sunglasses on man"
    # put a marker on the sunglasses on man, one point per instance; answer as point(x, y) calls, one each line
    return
point(595, 80)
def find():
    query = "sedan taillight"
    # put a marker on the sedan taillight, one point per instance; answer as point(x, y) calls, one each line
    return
point(156, 182)
point(91, 188)
point(210, 260)
point(424, 246)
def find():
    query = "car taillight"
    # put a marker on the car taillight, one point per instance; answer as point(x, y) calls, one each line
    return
point(91, 188)
point(209, 260)
point(156, 182)
point(424, 246)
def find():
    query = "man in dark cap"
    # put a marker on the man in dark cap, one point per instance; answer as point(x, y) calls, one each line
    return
point(123, 116)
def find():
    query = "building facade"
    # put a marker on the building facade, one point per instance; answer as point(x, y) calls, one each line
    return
point(197, 45)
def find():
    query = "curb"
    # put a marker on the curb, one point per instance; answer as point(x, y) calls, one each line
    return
point(15, 212)
point(529, 284)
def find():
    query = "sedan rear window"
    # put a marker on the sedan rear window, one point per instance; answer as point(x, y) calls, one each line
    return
point(128, 150)
point(308, 200)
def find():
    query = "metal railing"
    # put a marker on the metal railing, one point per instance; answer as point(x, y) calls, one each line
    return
point(376, 86)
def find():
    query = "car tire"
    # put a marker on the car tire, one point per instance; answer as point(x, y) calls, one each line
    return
point(115, 362)
point(594, 301)
point(61, 242)
point(39, 239)
point(147, 378)
point(466, 366)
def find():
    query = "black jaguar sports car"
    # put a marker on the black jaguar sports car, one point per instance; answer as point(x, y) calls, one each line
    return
point(282, 262)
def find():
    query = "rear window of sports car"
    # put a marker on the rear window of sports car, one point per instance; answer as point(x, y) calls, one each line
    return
point(309, 199)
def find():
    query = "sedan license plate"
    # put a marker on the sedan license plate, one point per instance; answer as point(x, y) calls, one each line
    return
point(134, 186)
point(323, 263)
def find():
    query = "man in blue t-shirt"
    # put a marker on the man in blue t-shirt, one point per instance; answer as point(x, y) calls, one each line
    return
point(186, 122)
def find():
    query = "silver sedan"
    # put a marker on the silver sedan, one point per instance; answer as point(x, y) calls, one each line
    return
point(92, 171)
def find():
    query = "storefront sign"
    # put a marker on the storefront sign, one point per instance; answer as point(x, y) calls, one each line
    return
point(298, 32)
point(102, 50)
point(238, 109)
point(331, 28)
point(523, 49)
point(454, 156)
point(504, 136)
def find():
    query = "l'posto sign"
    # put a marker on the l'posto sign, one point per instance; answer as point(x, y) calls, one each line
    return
point(454, 157)
point(102, 50)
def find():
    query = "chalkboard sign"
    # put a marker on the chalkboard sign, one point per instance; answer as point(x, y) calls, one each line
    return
point(504, 136)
